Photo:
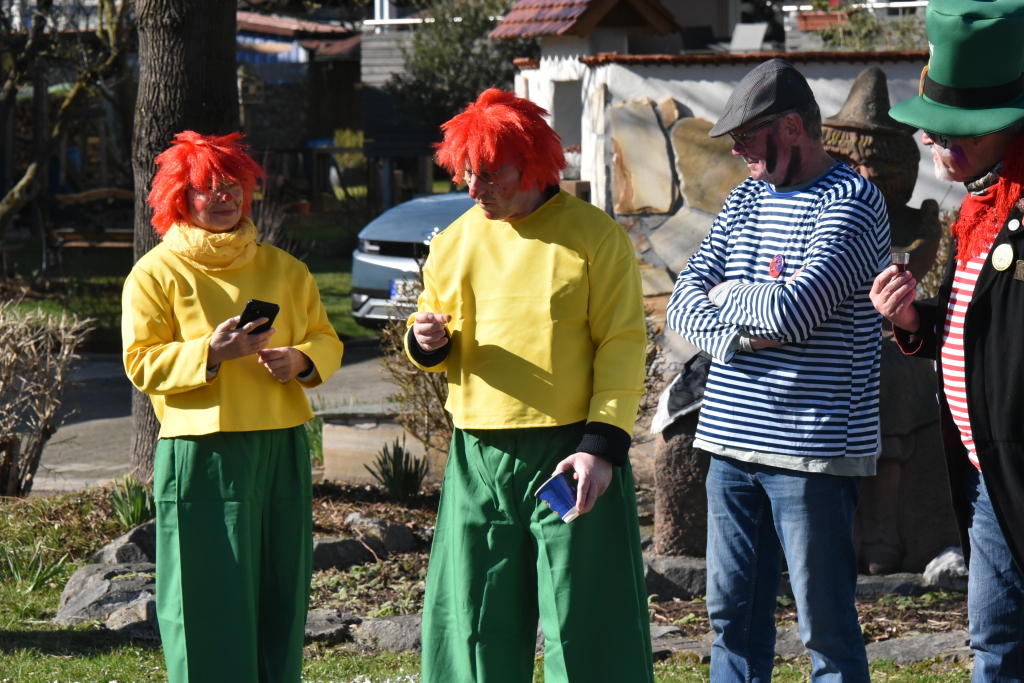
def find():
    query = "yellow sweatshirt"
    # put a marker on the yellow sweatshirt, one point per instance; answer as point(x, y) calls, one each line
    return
point(170, 309)
point(547, 318)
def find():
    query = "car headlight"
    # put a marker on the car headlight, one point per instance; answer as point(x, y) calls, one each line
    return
point(368, 247)
point(358, 300)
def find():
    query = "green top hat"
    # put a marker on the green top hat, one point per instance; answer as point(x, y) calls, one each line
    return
point(973, 83)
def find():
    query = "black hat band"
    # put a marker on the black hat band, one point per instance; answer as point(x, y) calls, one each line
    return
point(973, 98)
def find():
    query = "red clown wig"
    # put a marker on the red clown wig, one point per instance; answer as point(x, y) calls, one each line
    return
point(499, 128)
point(198, 161)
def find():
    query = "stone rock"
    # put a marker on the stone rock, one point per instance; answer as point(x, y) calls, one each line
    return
point(396, 538)
point(330, 626)
point(904, 583)
point(138, 545)
point(659, 631)
point(788, 644)
point(947, 571)
point(137, 619)
point(666, 640)
point(672, 110)
point(642, 179)
point(391, 634)
point(655, 281)
point(96, 591)
point(680, 236)
point(399, 538)
point(707, 169)
point(681, 501)
point(675, 577)
point(918, 648)
point(339, 553)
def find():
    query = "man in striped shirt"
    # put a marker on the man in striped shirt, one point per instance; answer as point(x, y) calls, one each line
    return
point(778, 295)
point(971, 108)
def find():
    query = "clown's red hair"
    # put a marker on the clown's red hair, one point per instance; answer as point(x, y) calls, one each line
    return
point(198, 161)
point(500, 127)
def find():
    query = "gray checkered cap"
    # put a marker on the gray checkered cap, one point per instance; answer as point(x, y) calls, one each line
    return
point(770, 88)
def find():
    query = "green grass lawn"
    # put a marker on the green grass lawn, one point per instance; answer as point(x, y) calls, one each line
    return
point(336, 294)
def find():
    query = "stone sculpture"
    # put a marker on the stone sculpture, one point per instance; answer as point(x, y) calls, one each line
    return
point(904, 517)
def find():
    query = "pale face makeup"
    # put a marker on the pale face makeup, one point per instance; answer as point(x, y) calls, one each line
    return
point(216, 209)
point(964, 159)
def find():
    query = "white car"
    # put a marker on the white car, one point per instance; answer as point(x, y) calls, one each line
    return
point(385, 266)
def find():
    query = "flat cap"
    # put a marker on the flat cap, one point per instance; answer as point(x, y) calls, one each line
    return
point(770, 88)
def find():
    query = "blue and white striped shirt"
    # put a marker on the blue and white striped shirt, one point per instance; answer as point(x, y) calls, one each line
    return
point(816, 396)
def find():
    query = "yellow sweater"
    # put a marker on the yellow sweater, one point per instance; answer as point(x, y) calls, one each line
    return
point(170, 309)
point(547, 318)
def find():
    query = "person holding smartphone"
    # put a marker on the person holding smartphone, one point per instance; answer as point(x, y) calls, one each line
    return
point(232, 478)
point(532, 304)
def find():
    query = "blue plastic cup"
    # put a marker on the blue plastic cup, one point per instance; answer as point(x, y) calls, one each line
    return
point(559, 495)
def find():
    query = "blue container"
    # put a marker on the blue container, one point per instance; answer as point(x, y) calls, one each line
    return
point(559, 495)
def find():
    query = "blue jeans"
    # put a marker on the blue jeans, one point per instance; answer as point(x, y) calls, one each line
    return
point(755, 513)
point(995, 592)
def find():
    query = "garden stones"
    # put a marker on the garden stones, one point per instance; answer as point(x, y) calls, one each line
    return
point(96, 591)
point(138, 545)
point(330, 626)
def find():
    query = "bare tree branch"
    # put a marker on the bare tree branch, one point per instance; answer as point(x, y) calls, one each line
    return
point(24, 61)
point(26, 189)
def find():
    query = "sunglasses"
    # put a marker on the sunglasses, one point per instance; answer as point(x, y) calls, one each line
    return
point(740, 139)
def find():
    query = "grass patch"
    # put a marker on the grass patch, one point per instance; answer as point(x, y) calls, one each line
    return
point(336, 295)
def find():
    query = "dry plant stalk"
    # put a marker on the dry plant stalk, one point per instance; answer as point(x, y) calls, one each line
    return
point(929, 284)
point(654, 383)
point(36, 352)
point(421, 395)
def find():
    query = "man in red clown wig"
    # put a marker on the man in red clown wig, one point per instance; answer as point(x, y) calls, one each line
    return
point(231, 479)
point(532, 304)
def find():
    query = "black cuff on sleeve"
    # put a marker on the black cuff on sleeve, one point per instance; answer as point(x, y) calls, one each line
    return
point(606, 441)
point(427, 359)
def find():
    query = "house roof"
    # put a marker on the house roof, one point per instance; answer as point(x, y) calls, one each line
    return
point(719, 59)
point(288, 27)
point(533, 18)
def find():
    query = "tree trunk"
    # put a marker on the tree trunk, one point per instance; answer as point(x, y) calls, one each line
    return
point(680, 497)
point(186, 82)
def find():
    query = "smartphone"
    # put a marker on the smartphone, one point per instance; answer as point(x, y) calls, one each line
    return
point(256, 309)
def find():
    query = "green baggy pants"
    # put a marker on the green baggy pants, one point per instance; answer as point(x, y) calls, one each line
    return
point(234, 535)
point(501, 558)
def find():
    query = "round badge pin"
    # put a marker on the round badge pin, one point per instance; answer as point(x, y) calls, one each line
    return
point(1013, 225)
point(1002, 257)
point(777, 265)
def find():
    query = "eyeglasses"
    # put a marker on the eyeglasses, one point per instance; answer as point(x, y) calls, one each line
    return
point(741, 138)
point(485, 177)
point(942, 141)
point(232, 188)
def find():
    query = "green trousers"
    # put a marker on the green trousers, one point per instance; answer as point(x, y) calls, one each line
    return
point(501, 558)
point(234, 535)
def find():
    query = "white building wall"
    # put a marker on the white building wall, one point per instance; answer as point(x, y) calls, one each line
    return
point(705, 90)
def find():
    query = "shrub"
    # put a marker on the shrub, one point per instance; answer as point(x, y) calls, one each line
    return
point(36, 352)
point(132, 503)
point(398, 471)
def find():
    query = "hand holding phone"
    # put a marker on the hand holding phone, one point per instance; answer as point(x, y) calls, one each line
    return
point(256, 309)
point(230, 341)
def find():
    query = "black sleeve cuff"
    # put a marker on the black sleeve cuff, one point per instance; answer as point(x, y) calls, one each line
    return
point(427, 359)
point(606, 441)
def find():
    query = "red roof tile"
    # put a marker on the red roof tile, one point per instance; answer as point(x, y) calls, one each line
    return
point(286, 26)
point(532, 18)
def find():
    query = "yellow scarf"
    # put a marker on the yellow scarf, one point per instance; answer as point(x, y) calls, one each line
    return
point(213, 250)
